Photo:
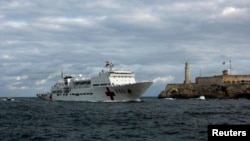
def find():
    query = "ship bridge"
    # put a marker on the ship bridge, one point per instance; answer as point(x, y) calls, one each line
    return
point(113, 78)
point(122, 77)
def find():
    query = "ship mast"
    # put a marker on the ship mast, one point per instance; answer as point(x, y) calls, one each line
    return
point(110, 65)
point(61, 72)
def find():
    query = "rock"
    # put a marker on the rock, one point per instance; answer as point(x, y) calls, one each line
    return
point(229, 91)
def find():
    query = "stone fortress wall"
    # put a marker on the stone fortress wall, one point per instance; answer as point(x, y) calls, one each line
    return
point(218, 86)
point(223, 79)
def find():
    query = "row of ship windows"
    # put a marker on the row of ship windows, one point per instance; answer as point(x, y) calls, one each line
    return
point(122, 76)
point(103, 84)
point(82, 83)
point(88, 82)
point(75, 94)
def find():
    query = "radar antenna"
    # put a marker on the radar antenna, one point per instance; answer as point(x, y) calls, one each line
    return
point(110, 65)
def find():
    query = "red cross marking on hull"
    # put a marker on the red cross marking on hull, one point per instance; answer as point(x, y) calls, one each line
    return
point(110, 94)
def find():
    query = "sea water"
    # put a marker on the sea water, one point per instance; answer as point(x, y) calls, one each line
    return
point(151, 119)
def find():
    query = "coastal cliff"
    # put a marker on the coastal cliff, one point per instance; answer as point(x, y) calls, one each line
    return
point(229, 91)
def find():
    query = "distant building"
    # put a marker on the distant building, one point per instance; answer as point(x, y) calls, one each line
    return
point(187, 74)
point(223, 79)
point(219, 86)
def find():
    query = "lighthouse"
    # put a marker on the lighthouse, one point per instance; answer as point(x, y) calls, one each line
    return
point(187, 73)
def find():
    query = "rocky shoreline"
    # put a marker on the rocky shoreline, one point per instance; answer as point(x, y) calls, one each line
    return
point(213, 91)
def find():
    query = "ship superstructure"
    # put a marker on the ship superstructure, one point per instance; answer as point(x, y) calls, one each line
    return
point(111, 85)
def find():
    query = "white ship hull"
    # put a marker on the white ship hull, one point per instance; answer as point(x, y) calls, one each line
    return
point(122, 93)
point(107, 86)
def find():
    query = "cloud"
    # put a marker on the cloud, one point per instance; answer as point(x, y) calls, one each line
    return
point(13, 87)
point(232, 14)
point(6, 57)
point(15, 4)
point(109, 4)
point(152, 38)
point(164, 80)
point(17, 86)
point(15, 24)
point(41, 82)
point(232, 11)
point(66, 21)
point(18, 78)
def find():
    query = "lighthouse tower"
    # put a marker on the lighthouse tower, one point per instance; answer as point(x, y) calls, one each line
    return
point(187, 74)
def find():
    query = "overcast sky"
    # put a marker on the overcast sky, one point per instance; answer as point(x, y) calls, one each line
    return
point(153, 38)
